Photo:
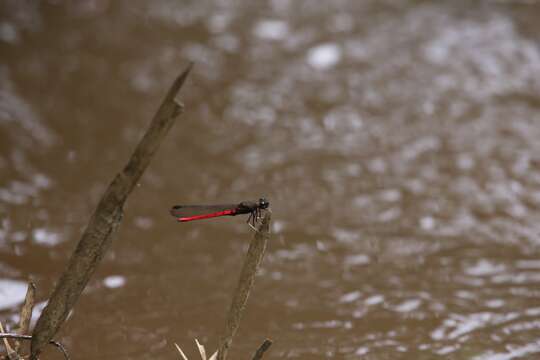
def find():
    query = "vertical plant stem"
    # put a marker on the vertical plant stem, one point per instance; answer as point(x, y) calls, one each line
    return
point(253, 259)
point(26, 312)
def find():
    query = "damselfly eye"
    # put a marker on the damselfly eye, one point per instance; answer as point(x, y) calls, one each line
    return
point(263, 203)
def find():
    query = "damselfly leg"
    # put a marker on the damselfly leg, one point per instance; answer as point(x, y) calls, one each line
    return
point(254, 217)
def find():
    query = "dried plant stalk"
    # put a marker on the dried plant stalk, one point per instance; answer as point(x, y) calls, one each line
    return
point(58, 345)
point(11, 354)
point(26, 312)
point(253, 259)
point(262, 349)
point(103, 223)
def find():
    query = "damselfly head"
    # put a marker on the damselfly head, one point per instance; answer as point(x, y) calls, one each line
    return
point(263, 203)
point(173, 209)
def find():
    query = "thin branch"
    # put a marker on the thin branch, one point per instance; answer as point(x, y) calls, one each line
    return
point(29, 337)
point(26, 312)
point(262, 349)
point(103, 224)
point(11, 354)
point(253, 259)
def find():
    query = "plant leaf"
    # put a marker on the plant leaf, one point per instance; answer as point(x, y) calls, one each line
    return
point(180, 351)
point(201, 350)
point(214, 356)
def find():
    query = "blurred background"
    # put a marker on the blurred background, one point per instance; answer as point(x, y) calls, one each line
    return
point(397, 142)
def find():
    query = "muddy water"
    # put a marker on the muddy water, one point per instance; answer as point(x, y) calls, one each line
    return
point(396, 140)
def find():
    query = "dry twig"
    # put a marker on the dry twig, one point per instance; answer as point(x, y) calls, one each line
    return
point(11, 354)
point(58, 345)
point(253, 259)
point(262, 349)
point(26, 313)
point(103, 223)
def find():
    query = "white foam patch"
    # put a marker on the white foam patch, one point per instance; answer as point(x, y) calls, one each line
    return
point(408, 305)
point(324, 56)
point(12, 292)
point(374, 300)
point(484, 267)
point(9, 33)
point(114, 281)
point(427, 223)
point(45, 237)
point(355, 260)
point(350, 297)
point(271, 30)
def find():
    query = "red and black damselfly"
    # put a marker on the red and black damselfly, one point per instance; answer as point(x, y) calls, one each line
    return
point(184, 213)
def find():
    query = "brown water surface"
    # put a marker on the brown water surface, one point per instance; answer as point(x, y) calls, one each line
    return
point(398, 143)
